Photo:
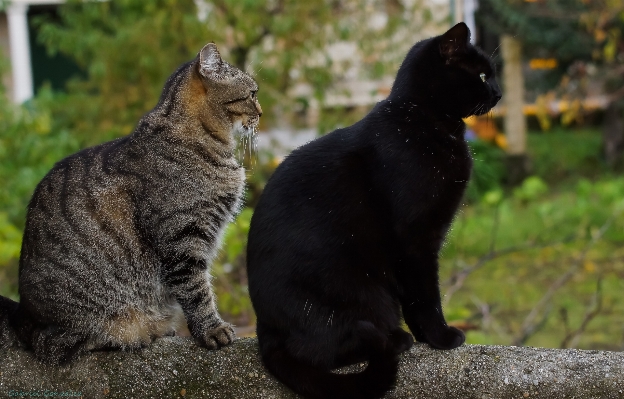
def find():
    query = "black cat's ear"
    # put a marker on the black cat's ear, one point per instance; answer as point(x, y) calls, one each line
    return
point(455, 41)
point(210, 61)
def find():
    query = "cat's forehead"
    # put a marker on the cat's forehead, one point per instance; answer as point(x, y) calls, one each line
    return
point(477, 61)
point(236, 76)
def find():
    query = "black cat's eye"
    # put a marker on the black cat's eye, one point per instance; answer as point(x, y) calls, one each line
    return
point(482, 76)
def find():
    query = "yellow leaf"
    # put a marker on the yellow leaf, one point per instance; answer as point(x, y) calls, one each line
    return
point(610, 49)
point(589, 266)
point(501, 141)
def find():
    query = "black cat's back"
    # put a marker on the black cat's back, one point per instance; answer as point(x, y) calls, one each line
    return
point(294, 222)
point(344, 241)
point(325, 240)
point(344, 184)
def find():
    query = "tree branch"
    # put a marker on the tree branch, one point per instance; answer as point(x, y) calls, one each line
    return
point(593, 310)
point(528, 326)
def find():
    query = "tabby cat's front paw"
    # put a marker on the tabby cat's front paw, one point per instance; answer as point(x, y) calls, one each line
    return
point(447, 338)
point(219, 336)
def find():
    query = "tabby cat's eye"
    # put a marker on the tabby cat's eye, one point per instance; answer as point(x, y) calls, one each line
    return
point(253, 94)
point(482, 76)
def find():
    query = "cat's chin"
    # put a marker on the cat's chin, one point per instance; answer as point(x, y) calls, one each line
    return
point(242, 130)
point(481, 110)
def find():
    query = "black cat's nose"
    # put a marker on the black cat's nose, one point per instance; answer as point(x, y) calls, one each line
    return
point(497, 95)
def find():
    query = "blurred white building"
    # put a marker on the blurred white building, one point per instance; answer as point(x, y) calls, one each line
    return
point(16, 45)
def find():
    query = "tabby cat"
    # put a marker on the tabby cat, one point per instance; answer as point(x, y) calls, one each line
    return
point(345, 238)
point(120, 237)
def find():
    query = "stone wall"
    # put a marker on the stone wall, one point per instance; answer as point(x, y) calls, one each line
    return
point(177, 368)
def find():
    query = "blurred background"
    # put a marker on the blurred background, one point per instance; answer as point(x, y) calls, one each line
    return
point(535, 256)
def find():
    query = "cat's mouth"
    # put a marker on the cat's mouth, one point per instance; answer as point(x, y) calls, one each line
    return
point(251, 125)
point(246, 130)
point(246, 126)
point(482, 109)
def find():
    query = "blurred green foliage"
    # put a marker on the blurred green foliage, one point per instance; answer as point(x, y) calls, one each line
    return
point(514, 243)
point(563, 153)
point(128, 48)
point(547, 28)
point(30, 144)
point(517, 248)
point(231, 286)
point(531, 189)
point(488, 170)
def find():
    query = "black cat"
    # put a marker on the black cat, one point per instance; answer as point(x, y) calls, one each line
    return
point(347, 232)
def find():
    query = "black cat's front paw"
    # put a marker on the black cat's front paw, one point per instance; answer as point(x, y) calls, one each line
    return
point(220, 336)
point(419, 335)
point(446, 338)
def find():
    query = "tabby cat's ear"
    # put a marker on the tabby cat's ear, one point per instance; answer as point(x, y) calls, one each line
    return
point(455, 41)
point(210, 61)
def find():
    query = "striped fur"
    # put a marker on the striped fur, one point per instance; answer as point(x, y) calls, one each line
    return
point(120, 237)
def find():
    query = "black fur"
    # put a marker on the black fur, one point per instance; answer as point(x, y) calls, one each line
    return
point(346, 235)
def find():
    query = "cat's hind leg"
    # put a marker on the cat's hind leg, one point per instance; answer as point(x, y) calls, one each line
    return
point(130, 329)
point(401, 340)
point(356, 348)
point(57, 346)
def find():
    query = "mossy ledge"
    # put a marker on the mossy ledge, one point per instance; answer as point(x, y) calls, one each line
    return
point(177, 367)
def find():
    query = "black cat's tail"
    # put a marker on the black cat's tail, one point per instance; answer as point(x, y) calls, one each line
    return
point(8, 311)
point(313, 383)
